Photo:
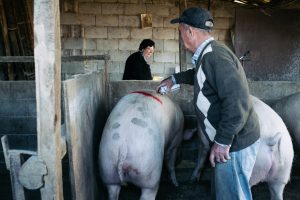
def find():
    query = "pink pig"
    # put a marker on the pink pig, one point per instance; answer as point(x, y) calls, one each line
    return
point(275, 156)
point(143, 130)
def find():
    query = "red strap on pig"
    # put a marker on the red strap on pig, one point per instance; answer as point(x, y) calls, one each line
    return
point(148, 95)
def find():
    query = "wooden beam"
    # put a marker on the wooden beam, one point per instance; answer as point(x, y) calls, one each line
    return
point(83, 58)
point(12, 59)
point(6, 39)
point(29, 18)
point(47, 58)
point(182, 50)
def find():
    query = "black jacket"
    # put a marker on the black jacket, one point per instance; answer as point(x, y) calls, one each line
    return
point(136, 68)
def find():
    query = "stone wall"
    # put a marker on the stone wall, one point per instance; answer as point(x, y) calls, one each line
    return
point(114, 27)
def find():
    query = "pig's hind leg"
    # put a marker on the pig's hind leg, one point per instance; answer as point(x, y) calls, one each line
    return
point(276, 190)
point(281, 167)
point(170, 159)
point(113, 191)
point(149, 193)
point(203, 151)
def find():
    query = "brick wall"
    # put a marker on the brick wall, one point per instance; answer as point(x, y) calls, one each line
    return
point(91, 27)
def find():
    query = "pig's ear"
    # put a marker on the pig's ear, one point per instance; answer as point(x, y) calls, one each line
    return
point(188, 133)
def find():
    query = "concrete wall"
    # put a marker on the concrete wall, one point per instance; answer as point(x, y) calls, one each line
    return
point(273, 90)
point(18, 115)
point(18, 122)
point(113, 27)
point(265, 90)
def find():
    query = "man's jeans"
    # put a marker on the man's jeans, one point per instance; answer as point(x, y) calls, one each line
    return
point(231, 179)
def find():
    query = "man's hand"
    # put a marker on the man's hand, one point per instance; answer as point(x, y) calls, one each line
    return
point(219, 153)
point(166, 84)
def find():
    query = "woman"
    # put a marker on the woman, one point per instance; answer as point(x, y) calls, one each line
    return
point(136, 67)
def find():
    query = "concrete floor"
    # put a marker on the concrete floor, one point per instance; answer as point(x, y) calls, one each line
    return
point(201, 190)
point(185, 191)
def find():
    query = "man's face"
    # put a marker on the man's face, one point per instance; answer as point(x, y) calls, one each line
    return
point(148, 52)
point(185, 36)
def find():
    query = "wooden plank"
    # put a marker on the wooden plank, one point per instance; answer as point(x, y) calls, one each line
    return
point(25, 37)
point(85, 115)
point(12, 59)
point(13, 160)
point(182, 50)
point(29, 17)
point(47, 54)
point(13, 36)
point(24, 34)
point(6, 39)
point(7, 59)
point(20, 25)
point(83, 58)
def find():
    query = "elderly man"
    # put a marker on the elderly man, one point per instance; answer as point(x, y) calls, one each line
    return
point(222, 103)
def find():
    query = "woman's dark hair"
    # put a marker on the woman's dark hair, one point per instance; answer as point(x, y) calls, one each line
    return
point(146, 43)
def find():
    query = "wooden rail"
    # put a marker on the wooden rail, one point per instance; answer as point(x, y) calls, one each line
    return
point(13, 59)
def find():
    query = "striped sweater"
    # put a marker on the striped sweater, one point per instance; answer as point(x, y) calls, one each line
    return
point(221, 97)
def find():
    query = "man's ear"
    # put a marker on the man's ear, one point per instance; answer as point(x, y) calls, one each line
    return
point(190, 31)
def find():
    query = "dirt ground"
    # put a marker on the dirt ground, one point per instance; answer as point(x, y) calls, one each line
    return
point(201, 189)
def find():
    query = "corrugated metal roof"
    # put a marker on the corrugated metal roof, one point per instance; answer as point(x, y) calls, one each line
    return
point(281, 4)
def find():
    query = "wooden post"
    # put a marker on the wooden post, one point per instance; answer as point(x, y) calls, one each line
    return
point(47, 54)
point(182, 51)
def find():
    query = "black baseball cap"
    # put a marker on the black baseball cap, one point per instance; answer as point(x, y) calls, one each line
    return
point(196, 17)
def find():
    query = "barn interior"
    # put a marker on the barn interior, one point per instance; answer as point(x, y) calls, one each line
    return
point(61, 66)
